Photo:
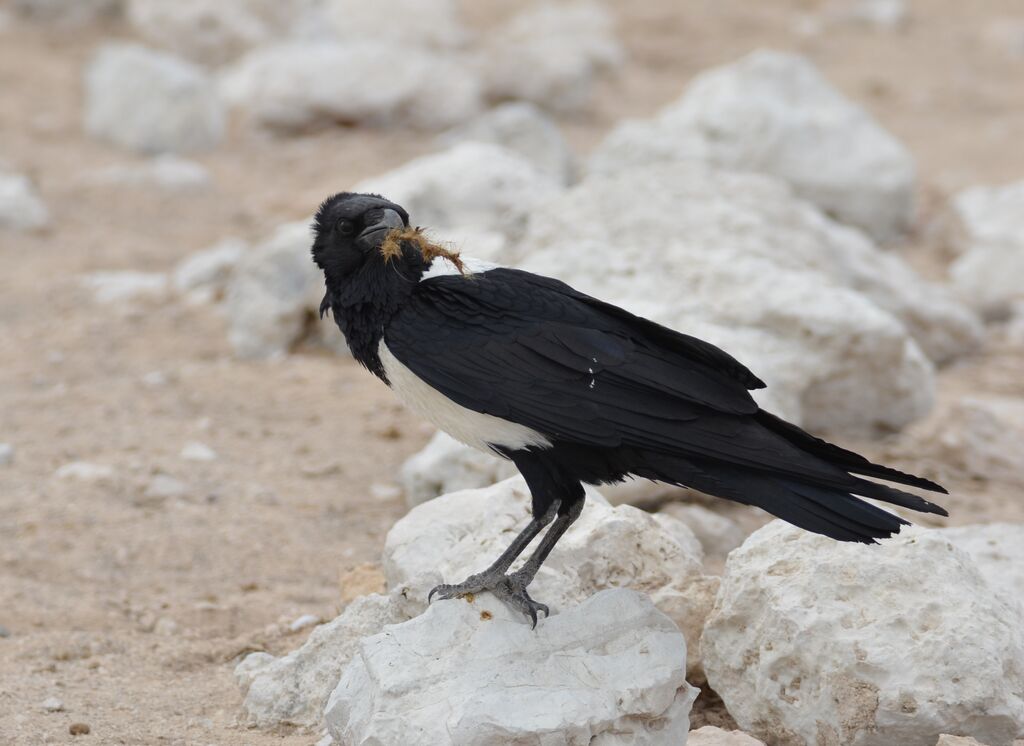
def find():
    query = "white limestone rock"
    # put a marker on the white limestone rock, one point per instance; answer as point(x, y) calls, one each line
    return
point(271, 293)
point(21, 208)
point(998, 551)
point(121, 286)
point(447, 539)
point(434, 24)
point(834, 326)
point(774, 113)
point(525, 129)
point(982, 437)
point(210, 32)
point(717, 534)
point(168, 172)
point(446, 465)
point(987, 228)
point(205, 274)
point(296, 85)
point(292, 689)
point(815, 641)
point(475, 673)
point(150, 101)
point(67, 12)
point(709, 735)
point(551, 55)
point(472, 185)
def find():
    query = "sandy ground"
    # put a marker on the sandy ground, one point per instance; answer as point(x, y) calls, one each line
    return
point(132, 608)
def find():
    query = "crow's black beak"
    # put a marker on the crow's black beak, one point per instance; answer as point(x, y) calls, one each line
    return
point(373, 235)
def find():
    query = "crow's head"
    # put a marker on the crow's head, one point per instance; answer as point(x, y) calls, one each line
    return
point(350, 227)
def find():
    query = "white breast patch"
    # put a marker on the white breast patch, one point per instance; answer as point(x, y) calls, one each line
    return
point(475, 429)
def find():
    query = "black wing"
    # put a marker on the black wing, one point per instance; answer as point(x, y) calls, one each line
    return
point(534, 351)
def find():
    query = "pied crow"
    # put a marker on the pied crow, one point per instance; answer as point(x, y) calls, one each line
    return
point(574, 390)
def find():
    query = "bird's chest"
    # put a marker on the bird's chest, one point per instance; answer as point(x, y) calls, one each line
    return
point(475, 429)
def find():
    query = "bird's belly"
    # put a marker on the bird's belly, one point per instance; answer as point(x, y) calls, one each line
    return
point(475, 429)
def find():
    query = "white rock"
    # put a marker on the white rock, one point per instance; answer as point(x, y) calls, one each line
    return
point(306, 620)
point(998, 551)
point(166, 171)
point(447, 539)
point(52, 704)
point(211, 32)
point(6, 454)
point(196, 451)
point(774, 113)
point(298, 85)
point(128, 285)
point(85, 471)
point(980, 436)
point(270, 293)
point(827, 642)
point(947, 740)
point(20, 206)
point(435, 24)
point(709, 735)
point(293, 689)
point(163, 486)
point(475, 673)
point(209, 271)
point(550, 54)
point(472, 185)
point(67, 12)
point(802, 301)
point(446, 465)
point(150, 101)
point(525, 129)
point(717, 534)
point(884, 14)
point(987, 228)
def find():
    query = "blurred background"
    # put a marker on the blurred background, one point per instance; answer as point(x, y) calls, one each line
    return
point(191, 466)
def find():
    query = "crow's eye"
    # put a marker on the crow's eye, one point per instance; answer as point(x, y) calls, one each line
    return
point(345, 227)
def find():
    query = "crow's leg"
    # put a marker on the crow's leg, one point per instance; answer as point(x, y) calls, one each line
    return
point(494, 576)
point(525, 574)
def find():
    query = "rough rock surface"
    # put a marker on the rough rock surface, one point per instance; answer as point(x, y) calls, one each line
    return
point(292, 689)
point(998, 551)
point(445, 465)
point(472, 185)
point(67, 12)
point(813, 641)
point(563, 45)
point(20, 207)
point(717, 534)
point(447, 539)
point(150, 101)
point(987, 227)
point(205, 274)
point(435, 24)
point(209, 32)
point(980, 436)
point(524, 129)
point(774, 113)
point(272, 290)
point(164, 172)
point(295, 85)
point(832, 324)
point(119, 286)
point(475, 673)
point(709, 735)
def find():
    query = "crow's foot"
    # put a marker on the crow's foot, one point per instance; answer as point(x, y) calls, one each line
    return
point(511, 589)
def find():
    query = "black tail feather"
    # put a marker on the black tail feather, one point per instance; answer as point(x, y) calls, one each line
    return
point(848, 460)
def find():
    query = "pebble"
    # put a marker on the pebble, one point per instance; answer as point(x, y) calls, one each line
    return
point(385, 491)
point(4, 632)
point(306, 620)
point(165, 626)
point(52, 704)
point(197, 451)
point(6, 454)
point(79, 729)
point(85, 471)
point(163, 486)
